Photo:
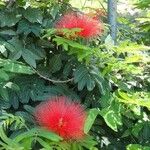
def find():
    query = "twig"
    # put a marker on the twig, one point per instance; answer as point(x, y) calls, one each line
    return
point(103, 6)
point(51, 80)
point(83, 4)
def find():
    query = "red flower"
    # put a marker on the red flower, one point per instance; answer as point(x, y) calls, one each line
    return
point(89, 27)
point(62, 116)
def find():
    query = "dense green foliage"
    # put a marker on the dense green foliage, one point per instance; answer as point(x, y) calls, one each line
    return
point(111, 81)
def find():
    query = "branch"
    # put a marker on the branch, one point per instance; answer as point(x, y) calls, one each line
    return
point(51, 80)
point(103, 6)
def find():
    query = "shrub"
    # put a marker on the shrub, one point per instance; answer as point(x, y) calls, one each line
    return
point(38, 63)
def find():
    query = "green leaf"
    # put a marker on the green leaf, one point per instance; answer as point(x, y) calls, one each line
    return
point(54, 11)
point(15, 45)
point(8, 32)
point(75, 146)
point(24, 96)
point(40, 133)
point(137, 147)
point(92, 114)
point(26, 27)
point(29, 109)
point(109, 43)
point(4, 75)
point(134, 98)
point(100, 82)
point(3, 50)
point(130, 47)
point(23, 27)
point(82, 83)
point(12, 86)
point(82, 51)
point(29, 57)
point(15, 55)
point(4, 93)
point(55, 63)
point(112, 115)
point(14, 100)
point(9, 142)
point(11, 66)
point(137, 128)
point(90, 83)
point(44, 144)
point(33, 15)
point(89, 143)
point(27, 143)
point(9, 18)
point(17, 68)
point(109, 118)
point(84, 78)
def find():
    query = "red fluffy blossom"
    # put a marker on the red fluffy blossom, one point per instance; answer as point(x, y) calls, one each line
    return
point(62, 116)
point(90, 27)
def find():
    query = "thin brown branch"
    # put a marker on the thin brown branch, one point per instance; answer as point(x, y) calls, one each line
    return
point(51, 80)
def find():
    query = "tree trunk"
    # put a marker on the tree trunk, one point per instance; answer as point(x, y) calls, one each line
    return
point(112, 18)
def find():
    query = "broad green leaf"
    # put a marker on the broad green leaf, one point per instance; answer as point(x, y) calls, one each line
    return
point(33, 15)
point(137, 128)
point(91, 116)
point(112, 118)
point(9, 18)
point(29, 57)
point(17, 68)
point(15, 55)
point(26, 27)
point(7, 46)
point(15, 45)
point(14, 66)
point(4, 75)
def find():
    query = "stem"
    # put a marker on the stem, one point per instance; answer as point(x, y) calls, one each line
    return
point(51, 80)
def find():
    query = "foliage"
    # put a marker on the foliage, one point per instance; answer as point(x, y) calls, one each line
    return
point(111, 81)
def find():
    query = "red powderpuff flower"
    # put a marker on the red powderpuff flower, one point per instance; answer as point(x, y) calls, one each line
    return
point(62, 116)
point(89, 26)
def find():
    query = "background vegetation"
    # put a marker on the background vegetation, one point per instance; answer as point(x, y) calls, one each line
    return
point(111, 81)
